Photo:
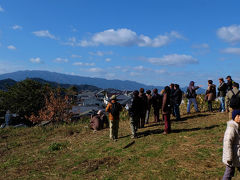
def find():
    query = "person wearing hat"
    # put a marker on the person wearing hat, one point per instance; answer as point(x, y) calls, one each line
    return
point(113, 108)
point(222, 91)
point(231, 146)
point(210, 94)
point(229, 95)
point(229, 83)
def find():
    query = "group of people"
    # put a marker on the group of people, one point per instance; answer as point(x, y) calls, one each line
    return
point(168, 102)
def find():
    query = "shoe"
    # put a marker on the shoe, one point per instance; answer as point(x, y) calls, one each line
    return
point(165, 133)
point(133, 136)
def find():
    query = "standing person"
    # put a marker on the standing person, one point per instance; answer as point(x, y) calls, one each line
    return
point(156, 104)
point(229, 83)
point(172, 90)
point(231, 146)
point(191, 96)
point(234, 93)
point(134, 113)
point(149, 104)
point(166, 110)
point(177, 97)
point(8, 119)
point(210, 94)
point(222, 90)
point(144, 104)
point(113, 108)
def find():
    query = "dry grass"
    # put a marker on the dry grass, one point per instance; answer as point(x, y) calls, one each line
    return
point(192, 151)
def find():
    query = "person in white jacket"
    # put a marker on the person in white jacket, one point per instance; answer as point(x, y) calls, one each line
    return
point(231, 146)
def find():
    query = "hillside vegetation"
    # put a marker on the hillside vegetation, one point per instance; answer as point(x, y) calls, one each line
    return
point(192, 151)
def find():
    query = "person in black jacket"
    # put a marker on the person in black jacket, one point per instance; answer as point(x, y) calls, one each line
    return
point(156, 104)
point(144, 104)
point(222, 91)
point(177, 99)
point(172, 90)
point(229, 83)
point(135, 113)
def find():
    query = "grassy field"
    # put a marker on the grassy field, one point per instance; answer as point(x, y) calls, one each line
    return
point(192, 151)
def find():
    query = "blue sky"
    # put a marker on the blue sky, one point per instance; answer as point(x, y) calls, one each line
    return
point(154, 42)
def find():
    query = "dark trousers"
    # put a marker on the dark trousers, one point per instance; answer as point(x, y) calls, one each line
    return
point(210, 106)
point(229, 172)
point(142, 119)
point(156, 115)
point(166, 119)
point(176, 111)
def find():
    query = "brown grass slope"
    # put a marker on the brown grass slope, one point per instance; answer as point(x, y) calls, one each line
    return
point(192, 151)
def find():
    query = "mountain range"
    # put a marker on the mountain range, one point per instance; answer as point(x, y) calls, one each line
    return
point(80, 80)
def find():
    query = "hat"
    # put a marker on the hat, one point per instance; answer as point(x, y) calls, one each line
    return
point(228, 77)
point(114, 97)
point(221, 79)
point(235, 113)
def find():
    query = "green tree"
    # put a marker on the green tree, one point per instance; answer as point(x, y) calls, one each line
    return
point(24, 98)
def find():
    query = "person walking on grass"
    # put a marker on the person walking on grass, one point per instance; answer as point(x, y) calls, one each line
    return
point(134, 112)
point(222, 90)
point(149, 104)
point(166, 109)
point(231, 146)
point(113, 108)
point(232, 99)
point(156, 104)
point(210, 94)
point(191, 96)
point(177, 99)
point(144, 103)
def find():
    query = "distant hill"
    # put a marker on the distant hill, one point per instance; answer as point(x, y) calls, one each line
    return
point(6, 83)
point(86, 82)
point(78, 80)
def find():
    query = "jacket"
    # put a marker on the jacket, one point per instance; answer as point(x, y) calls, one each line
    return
point(211, 92)
point(135, 107)
point(177, 96)
point(144, 102)
point(191, 92)
point(108, 109)
point(166, 106)
point(222, 89)
point(149, 101)
point(156, 101)
point(231, 144)
point(229, 96)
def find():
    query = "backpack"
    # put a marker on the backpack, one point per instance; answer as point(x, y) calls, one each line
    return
point(235, 100)
point(115, 110)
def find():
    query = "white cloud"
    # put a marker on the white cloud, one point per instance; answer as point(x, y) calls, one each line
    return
point(139, 68)
point(36, 60)
point(229, 34)
point(108, 59)
point(173, 59)
point(11, 47)
point(125, 37)
point(1, 9)
point(96, 70)
point(44, 33)
point(231, 51)
point(200, 46)
point(75, 56)
point(83, 64)
point(16, 27)
point(61, 60)
point(101, 53)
